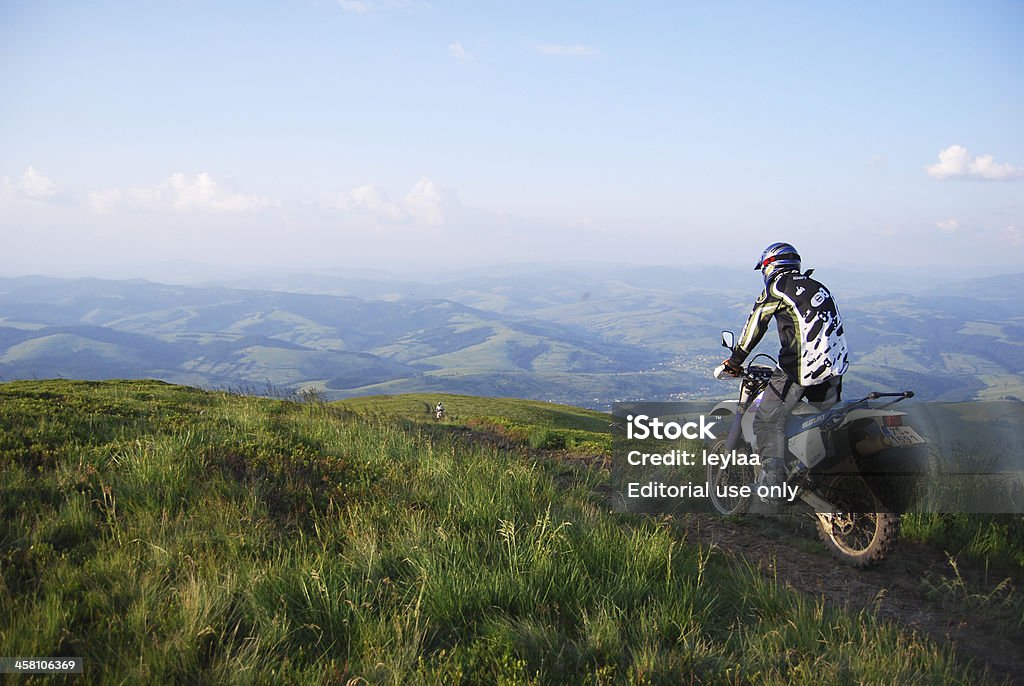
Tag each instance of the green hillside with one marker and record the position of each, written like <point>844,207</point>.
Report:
<point>167,534</point>
<point>417,406</point>
<point>523,422</point>
<point>561,335</point>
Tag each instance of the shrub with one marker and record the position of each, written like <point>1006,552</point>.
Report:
<point>548,439</point>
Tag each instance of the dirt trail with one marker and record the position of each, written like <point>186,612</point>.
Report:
<point>896,591</point>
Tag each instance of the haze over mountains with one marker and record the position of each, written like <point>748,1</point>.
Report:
<point>585,334</point>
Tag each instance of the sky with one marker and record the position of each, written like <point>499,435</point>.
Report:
<point>400,134</point>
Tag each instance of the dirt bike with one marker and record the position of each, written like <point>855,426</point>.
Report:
<point>438,414</point>
<point>832,461</point>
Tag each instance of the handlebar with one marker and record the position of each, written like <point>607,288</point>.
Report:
<point>721,372</point>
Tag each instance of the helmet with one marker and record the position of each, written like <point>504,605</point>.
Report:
<point>778,258</point>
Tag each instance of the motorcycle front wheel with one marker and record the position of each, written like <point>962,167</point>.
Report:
<point>722,481</point>
<point>855,535</point>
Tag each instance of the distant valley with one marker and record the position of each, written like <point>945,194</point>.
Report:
<point>582,336</point>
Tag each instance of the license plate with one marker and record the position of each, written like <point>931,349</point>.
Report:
<point>898,436</point>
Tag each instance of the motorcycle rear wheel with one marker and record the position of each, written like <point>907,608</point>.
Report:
<point>860,539</point>
<point>730,476</point>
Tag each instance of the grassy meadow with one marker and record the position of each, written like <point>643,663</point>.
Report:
<point>167,534</point>
<point>539,424</point>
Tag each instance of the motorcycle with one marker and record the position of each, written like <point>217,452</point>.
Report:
<point>835,462</point>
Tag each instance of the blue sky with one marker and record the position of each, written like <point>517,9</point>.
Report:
<point>391,133</point>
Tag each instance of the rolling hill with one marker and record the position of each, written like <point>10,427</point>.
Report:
<point>167,534</point>
<point>564,334</point>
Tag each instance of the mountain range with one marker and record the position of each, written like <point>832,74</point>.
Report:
<point>579,334</point>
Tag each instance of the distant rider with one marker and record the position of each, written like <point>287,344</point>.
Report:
<point>813,357</point>
<point>439,410</point>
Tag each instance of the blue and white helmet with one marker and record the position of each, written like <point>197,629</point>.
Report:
<point>777,258</point>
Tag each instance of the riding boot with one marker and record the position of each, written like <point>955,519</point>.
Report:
<point>773,472</point>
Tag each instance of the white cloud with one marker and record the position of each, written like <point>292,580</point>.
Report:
<point>426,204</point>
<point>36,186</point>
<point>1013,235</point>
<point>566,50</point>
<point>203,194</point>
<point>181,193</point>
<point>955,162</point>
<point>32,185</point>
<point>948,225</point>
<point>369,6</point>
<point>877,161</point>
<point>374,201</point>
<point>355,6</point>
<point>457,51</point>
<point>430,204</point>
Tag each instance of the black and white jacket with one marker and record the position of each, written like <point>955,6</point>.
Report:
<point>810,329</point>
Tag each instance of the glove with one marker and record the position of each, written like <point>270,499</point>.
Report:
<point>732,369</point>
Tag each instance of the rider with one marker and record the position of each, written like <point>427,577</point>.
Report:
<point>813,357</point>
<point>439,410</point>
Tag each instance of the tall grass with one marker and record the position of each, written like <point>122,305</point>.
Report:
<point>169,535</point>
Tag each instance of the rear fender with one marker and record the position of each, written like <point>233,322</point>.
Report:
<point>726,408</point>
